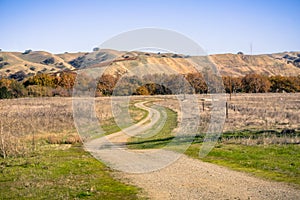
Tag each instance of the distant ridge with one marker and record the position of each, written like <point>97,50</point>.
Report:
<point>28,63</point>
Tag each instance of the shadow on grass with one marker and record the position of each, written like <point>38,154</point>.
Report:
<point>198,139</point>
<point>162,142</point>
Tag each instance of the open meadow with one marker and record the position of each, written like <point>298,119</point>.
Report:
<point>41,150</point>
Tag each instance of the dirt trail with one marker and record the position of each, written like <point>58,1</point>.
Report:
<point>189,178</point>
<point>186,178</point>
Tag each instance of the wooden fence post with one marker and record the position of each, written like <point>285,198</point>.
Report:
<point>226,110</point>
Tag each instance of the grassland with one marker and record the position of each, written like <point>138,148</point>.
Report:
<point>271,153</point>
<point>56,165</point>
<point>279,162</point>
<point>46,159</point>
<point>60,172</point>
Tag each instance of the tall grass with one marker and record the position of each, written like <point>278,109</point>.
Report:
<point>28,123</point>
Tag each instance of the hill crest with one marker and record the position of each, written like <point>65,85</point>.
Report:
<point>17,65</point>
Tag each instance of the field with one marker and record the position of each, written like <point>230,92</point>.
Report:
<point>261,135</point>
<point>43,156</point>
<point>42,152</point>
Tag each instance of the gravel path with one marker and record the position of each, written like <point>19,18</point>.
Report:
<point>189,178</point>
<point>186,178</point>
<point>113,152</point>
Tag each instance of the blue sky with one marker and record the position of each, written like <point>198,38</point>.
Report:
<point>218,26</point>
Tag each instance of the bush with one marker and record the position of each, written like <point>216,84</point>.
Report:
<point>4,93</point>
<point>49,61</point>
<point>27,51</point>
<point>2,64</point>
<point>19,76</point>
<point>96,49</point>
<point>38,91</point>
<point>77,62</point>
<point>17,89</point>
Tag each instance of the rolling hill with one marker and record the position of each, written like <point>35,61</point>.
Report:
<point>20,65</point>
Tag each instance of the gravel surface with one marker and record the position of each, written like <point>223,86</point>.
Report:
<point>189,178</point>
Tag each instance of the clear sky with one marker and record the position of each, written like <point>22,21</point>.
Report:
<point>219,26</point>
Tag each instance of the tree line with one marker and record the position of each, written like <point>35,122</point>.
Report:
<point>49,85</point>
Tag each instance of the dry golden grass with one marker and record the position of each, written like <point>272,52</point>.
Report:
<point>227,64</point>
<point>264,111</point>
<point>269,140</point>
<point>28,122</point>
<point>24,62</point>
<point>50,120</point>
<point>239,65</point>
<point>268,111</point>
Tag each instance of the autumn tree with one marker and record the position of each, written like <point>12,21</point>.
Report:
<point>232,84</point>
<point>142,90</point>
<point>178,84</point>
<point>66,80</point>
<point>12,88</point>
<point>281,83</point>
<point>127,85</point>
<point>296,82</point>
<point>5,82</point>
<point>197,82</point>
<point>17,89</point>
<point>152,89</point>
<point>255,83</point>
<point>106,84</point>
<point>39,91</point>
<point>41,80</point>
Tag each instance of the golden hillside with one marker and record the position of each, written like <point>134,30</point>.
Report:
<point>16,64</point>
<point>285,64</point>
<point>30,63</point>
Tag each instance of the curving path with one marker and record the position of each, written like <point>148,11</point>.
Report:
<point>184,178</point>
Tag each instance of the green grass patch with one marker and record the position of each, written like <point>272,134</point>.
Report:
<point>275,162</point>
<point>160,139</point>
<point>137,114</point>
<point>54,173</point>
<point>110,126</point>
